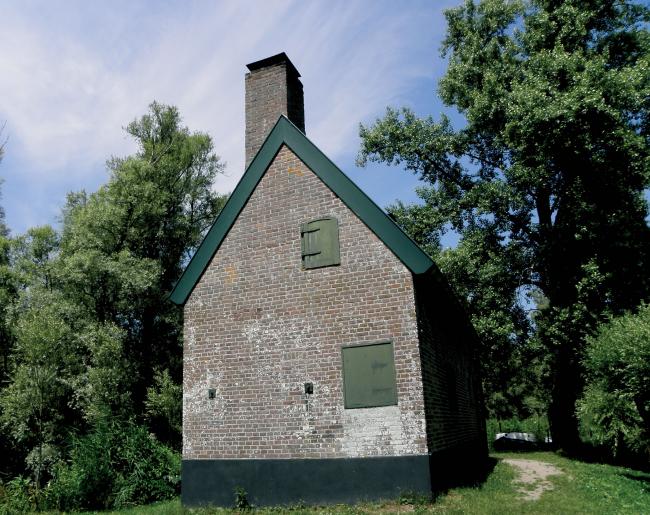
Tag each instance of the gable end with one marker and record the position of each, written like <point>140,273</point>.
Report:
<point>284,132</point>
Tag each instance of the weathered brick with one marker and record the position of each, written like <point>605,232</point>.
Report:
<point>271,90</point>
<point>259,353</point>
<point>258,326</point>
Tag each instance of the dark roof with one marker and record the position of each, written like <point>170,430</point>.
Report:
<point>274,59</point>
<point>284,132</point>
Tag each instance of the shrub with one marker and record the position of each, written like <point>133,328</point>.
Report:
<point>18,496</point>
<point>164,409</point>
<point>615,408</point>
<point>116,465</point>
<point>610,419</point>
<point>241,499</point>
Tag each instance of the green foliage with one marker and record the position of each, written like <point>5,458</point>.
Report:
<point>410,498</point>
<point>7,288</point>
<point>611,419</point>
<point>19,496</point>
<point>89,341</point>
<point>32,256</point>
<point>34,404</point>
<point>115,465</point>
<point>615,408</point>
<point>482,272</point>
<point>4,230</point>
<point>241,499</point>
<point>544,183</point>
<point>123,247</point>
<point>164,407</point>
<point>103,388</point>
<point>66,368</point>
<point>8,291</point>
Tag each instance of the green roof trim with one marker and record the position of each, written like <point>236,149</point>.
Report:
<point>284,132</point>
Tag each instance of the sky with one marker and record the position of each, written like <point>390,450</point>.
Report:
<point>73,74</point>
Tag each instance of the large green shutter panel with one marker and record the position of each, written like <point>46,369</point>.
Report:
<point>320,243</point>
<point>369,375</point>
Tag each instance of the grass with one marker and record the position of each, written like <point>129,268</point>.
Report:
<point>583,488</point>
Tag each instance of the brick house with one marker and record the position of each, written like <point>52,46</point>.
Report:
<point>325,357</point>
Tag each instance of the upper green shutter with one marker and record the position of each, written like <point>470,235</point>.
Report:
<point>320,243</point>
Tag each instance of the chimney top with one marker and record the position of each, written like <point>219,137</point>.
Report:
<point>280,58</point>
<point>273,88</point>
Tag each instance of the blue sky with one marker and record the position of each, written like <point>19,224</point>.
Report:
<point>74,73</point>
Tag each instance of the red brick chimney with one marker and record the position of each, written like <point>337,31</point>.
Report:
<point>273,88</point>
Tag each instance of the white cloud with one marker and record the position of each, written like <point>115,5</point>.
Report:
<point>59,100</point>
<point>68,87</point>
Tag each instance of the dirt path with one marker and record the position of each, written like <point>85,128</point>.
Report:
<point>532,476</point>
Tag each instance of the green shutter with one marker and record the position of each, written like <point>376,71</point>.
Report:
<point>369,375</point>
<point>320,243</point>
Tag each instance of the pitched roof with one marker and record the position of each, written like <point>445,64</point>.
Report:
<point>284,132</point>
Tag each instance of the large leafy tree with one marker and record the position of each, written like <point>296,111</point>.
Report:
<point>123,247</point>
<point>544,183</point>
<point>94,341</point>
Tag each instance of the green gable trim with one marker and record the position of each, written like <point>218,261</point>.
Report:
<point>284,132</point>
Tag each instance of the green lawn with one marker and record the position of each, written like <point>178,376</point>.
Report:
<point>583,488</point>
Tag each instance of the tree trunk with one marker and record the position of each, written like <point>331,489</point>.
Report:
<point>562,411</point>
<point>641,402</point>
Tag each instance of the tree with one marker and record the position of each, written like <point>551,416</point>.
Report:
<point>4,230</point>
<point>7,295</point>
<point>36,403</point>
<point>485,273</point>
<point>549,170</point>
<point>7,289</point>
<point>32,257</point>
<point>123,247</point>
<point>94,349</point>
<point>8,292</point>
<point>615,408</point>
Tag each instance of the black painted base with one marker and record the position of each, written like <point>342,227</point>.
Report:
<point>309,481</point>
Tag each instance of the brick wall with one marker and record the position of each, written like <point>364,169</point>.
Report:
<point>257,327</point>
<point>451,385</point>
<point>270,92</point>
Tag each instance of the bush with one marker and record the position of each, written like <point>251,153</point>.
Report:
<point>114,466</point>
<point>615,409</point>
<point>18,496</point>
<point>241,499</point>
<point>164,411</point>
<point>610,420</point>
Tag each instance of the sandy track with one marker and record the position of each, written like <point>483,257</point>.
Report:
<point>532,476</point>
